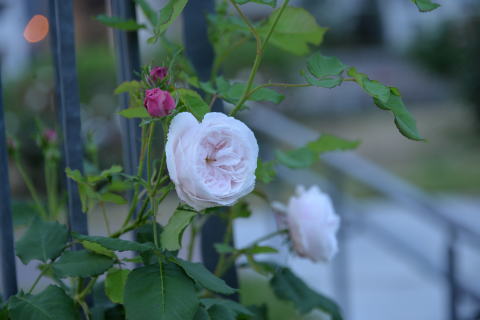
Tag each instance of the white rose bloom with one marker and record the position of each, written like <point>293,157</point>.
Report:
<point>212,163</point>
<point>312,224</point>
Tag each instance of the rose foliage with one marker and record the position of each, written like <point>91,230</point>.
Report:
<point>207,164</point>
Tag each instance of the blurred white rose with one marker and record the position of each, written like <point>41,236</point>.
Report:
<point>212,163</point>
<point>312,223</point>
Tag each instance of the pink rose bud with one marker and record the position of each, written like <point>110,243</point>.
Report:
<point>50,135</point>
<point>158,103</point>
<point>158,73</point>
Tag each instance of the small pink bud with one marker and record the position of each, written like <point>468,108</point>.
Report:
<point>158,73</point>
<point>158,103</point>
<point>50,135</point>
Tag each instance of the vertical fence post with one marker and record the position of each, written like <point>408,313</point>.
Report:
<point>65,68</point>
<point>7,253</point>
<point>340,263</point>
<point>128,62</point>
<point>200,52</point>
<point>451,256</point>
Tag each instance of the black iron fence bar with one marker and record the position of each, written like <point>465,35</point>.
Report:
<point>53,41</point>
<point>7,252</point>
<point>65,65</point>
<point>200,53</point>
<point>362,170</point>
<point>127,64</point>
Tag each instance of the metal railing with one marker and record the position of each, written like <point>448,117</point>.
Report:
<point>68,109</point>
<point>127,52</point>
<point>352,166</point>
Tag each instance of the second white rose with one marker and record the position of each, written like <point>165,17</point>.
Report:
<point>212,162</point>
<point>312,223</point>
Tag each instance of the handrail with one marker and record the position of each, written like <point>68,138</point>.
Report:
<point>379,179</point>
<point>377,231</point>
<point>363,170</point>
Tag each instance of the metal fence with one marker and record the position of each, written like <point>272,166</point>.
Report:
<point>68,109</point>
<point>128,61</point>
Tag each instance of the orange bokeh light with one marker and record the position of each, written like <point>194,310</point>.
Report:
<point>36,29</point>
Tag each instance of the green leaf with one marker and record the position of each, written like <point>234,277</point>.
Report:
<point>306,156</point>
<point>119,23</point>
<point>261,249</point>
<point>240,209</point>
<point>115,284</point>
<point>75,175</point>
<point>173,231</point>
<point>95,247</point>
<point>404,121</point>
<point>168,14</point>
<point>3,313</point>
<point>205,278</point>
<point>51,304</point>
<point>322,66</point>
<point>81,263</point>
<point>221,312</point>
<point>265,94</point>
<point>271,3</point>
<point>326,82</point>
<point>115,244</point>
<point>160,292</point>
<point>229,304</point>
<point>372,87</point>
<point>113,198</point>
<point>148,11</point>
<point>44,240</point>
<point>425,5</point>
<point>260,312</point>
<point>128,86</point>
<point>201,314</point>
<point>265,171</point>
<point>194,103</point>
<point>328,143</point>
<point>288,286</point>
<point>223,248</point>
<point>323,71</point>
<point>295,31</point>
<point>297,158</point>
<point>135,112</point>
<point>233,92</point>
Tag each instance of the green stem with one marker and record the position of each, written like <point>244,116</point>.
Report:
<point>259,53</point>
<point>268,236</point>
<point>154,222</point>
<point>230,261</point>
<point>38,278</point>
<point>85,309</point>
<point>137,187</point>
<point>149,152</point>
<point>105,217</point>
<point>191,243</point>
<point>31,188</point>
<point>226,240</point>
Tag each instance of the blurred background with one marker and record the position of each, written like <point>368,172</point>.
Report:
<point>404,204</point>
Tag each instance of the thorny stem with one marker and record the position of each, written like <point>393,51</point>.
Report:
<point>259,53</point>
